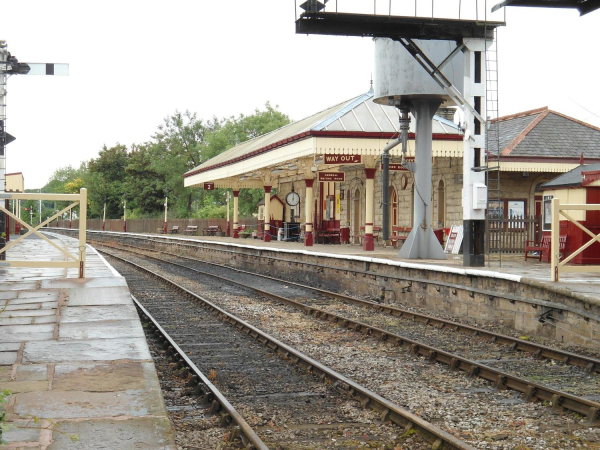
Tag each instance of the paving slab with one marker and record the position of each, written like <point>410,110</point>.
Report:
<point>103,377</point>
<point>73,350</point>
<point>95,313</point>
<point>20,333</point>
<point>85,404</point>
<point>101,330</point>
<point>132,434</point>
<point>52,351</point>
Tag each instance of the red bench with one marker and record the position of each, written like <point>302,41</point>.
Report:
<point>211,230</point>
<point>539,247</point>
<point>396,236</point>
<point>361,235</point>
<point>191,229</point>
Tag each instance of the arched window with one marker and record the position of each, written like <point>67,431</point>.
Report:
<point>441,206</point>
<point>393,208</point>
<point>356,220</point>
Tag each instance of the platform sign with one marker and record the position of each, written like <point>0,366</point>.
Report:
<point>395,167</point>
<point>331,176</point>
<point>455,239</point>
<point>209,186</point>
<point>342,159</point>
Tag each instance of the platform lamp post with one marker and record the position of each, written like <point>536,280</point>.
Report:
<point>124,214</point>
<point>104,215</point>
<point>166,209</point>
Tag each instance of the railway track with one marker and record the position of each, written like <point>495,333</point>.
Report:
<point>299,405</point>
<point>489,355</point>
<point>417,348</point>
<point>589,363</point>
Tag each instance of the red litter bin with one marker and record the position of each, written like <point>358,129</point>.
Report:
<point>345,235</point>
<point>439,234</point>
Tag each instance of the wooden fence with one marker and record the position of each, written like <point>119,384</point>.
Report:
<point>510,235</point>
<point>149,226</point>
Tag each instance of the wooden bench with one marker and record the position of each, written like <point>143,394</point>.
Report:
<point>211,230</point>
<point>361,235</point>
<point>539,247</point>
<point>174,229</point>
<point>191,229</point>
<point>397,237</point>
<point>329,236</point>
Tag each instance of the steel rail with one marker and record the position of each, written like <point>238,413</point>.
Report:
<point>388,410</point>
<point>208,390</point>
<point>591,365</point>
<point>560,400</point>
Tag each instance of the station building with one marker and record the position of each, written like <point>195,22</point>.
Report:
<point>330,164</point>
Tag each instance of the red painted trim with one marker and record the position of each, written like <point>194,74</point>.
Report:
<point>236,193</point>
<point>591,176</point>
<point>13,173</point>
<point>309,182</point>
<point>540,159</point>
<point>267,189</point>
<point>370,173</point>
<point>307,134</point>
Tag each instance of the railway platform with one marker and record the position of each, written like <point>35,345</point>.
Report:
<point>74,357</point>
<point>513,267</point>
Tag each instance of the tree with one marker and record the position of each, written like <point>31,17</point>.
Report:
<point>105,178</point>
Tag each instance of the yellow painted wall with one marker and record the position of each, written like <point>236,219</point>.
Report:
<point>576,196</point>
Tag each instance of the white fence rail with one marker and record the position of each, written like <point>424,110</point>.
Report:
<point>72,261</point>
<point>555,263</point>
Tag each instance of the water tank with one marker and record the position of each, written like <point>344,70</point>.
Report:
<point>399,77</point>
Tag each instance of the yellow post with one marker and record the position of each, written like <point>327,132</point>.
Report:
<point>82,230</point>
<point>554,241</point>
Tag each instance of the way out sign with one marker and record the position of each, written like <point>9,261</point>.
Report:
<point>209,186</point>
<point>342,159</point>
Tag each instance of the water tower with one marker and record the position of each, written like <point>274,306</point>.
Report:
<point>427,54</point>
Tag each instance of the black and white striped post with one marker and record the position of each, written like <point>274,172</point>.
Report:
<point>10,65</point>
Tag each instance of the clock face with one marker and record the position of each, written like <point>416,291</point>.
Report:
<point>292,199</point>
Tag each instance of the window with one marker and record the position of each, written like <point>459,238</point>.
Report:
<point>547,213</point>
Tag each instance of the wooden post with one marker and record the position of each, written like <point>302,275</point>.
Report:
<point>82,230</point>
<point>554,241</point>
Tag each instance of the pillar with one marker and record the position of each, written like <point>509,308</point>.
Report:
<point>308,230</point>
<point>368,241</point>
<point>236,233</point>
<point>421,243</point>
<point>473,151</point>
<point>267,227</point>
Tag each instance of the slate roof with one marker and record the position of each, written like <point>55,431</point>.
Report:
<point>571,178</point>
<point>543,133</point>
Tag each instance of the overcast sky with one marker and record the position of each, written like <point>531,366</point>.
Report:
<point>133,62</point>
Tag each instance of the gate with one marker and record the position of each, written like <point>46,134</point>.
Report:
<point>72,260</point>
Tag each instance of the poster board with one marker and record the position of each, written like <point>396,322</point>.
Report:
<point>455,238</point>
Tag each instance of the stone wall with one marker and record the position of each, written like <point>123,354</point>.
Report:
<point>449,171</point>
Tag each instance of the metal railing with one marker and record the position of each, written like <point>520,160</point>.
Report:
<point>439,9</point>
<point>557,266</point>
<point>72,261</point>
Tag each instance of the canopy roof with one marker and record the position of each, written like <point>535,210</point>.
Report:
<point>357,126</point>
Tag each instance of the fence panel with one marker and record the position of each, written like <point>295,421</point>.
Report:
<point>154,226</point>
<point>510,235</point>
